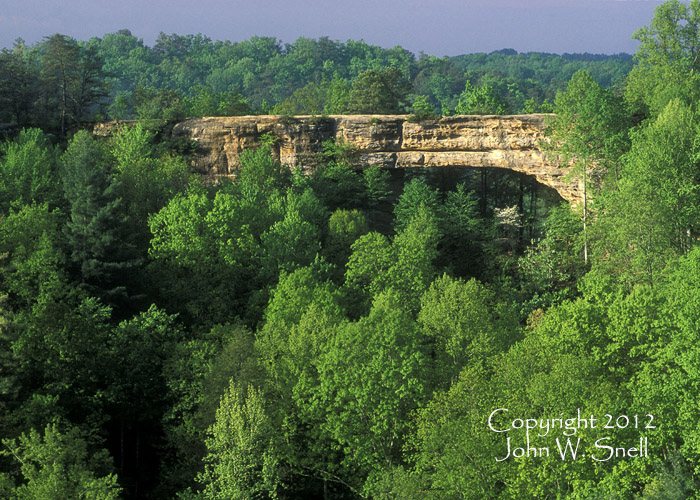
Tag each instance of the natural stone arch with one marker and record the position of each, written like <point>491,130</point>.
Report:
<point>391,141</point>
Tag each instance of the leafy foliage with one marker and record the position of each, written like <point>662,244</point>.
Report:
<point>59,465</point>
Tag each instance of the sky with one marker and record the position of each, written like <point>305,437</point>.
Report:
<point>435,27</point>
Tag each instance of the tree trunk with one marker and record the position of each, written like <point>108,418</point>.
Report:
<point>521,207</point>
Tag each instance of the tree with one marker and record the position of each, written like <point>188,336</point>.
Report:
<point>453,450</point>
<point>290,243</point>
<point>94,227</point>
<point>156,105</point>
<point>372,374</point>
<point>260,172</point>
<point>463,232</point>
<point>31,241</point>
<point>62,354</point>
<point>137,393</point>
<point>672,35</point>
<point>482,100</point>
<point>668,59</point>
<point>242,461</point>
<point>376,185</point>
<point>344,227</point>
<point>59,68</point>
<point>74,76</point>
<point>416,194</point>
<point>465,324</point>
<point>589,131</point>
<point>301,317</point>
<point>189,262</point>
<point>405,265</point>
<point>28,171</point>
<point>9,387</point>
<point>59,465</point>
<point>335,181</point>
<point>422,109</point>
<point>366,270</point>
<point>19,83</point>
<point>552,267</point>
<point>654,213</point>
<point>145,182</point>
<point>204,101</point>
<point>89,88</point>
<point>378,92</point>
<point>415,251</point>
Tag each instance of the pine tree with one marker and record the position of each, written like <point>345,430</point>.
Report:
<point>95,223</point>
<point>60,65</point>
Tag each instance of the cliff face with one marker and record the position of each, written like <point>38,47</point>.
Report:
<point>511,142</point>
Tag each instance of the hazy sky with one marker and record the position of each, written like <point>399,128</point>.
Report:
<point>436,27</point>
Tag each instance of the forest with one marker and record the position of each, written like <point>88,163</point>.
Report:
<point>344,334</point>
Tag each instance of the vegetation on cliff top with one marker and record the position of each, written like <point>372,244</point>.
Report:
<point>61,83</point>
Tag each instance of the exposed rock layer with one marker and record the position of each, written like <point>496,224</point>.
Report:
<point>391,141</point>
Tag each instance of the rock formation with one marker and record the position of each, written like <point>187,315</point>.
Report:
<point>390,141</point>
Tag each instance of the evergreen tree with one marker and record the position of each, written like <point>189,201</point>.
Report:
<point>19,83</point>
<point>94,225</point>
<point>74,76</point>
<point>59,68</point>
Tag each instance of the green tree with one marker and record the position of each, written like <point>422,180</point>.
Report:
<point>9,386</point>
<point>19,83</point>
<point>589,131</point>
<point>89,88</point>
<point>59,67</point>
<point>367,268</point>
<point>454,450</point>
<point>668,59</point>
<point>137,394</point>
<point>371,376</point>
<point>344,227</point>
<point>145,182</point>
<point>31,241</point>
<point>59,465</point>
<point>94,227</point>
<point>415,250</point>
<point>376,185</point>
<point>197,371</point>
<point>335,181</point>
<point>416,194</point>
<point>406,265</point>
<point>552,267</point>
<point>28,171</point>
<point>192,275</point>
<point>464,232</point>
<point>654,213</point>
<point>242,460</point>
<point>465,324</point>
<point>422,109</point>
<point>290,243</point>
<point>75,76</point>
<point>481,100</point>
<point>157,105</point>
<point>62,357</point>
<point>378,92</point>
